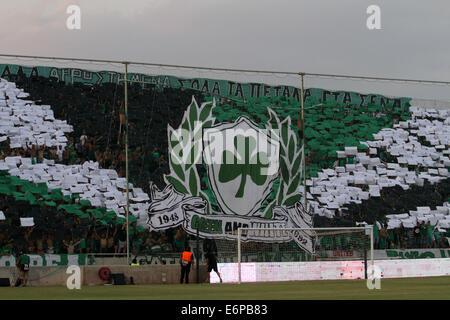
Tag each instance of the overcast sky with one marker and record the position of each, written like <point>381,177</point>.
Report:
<point>320,36</point>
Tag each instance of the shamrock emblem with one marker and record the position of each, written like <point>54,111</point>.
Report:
<point>245,161</point>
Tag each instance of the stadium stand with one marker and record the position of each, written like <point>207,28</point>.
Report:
<point>62,181</point>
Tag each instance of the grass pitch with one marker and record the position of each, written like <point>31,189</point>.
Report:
<point>434,288</point>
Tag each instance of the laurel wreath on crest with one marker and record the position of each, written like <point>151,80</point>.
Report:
<point>185,178</point>
<point>290,162</point>
<point>183,174</point>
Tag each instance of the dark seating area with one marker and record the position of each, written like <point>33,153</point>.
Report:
<point>96,113</point>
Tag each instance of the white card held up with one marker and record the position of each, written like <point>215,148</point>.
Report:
<point>27,222</point>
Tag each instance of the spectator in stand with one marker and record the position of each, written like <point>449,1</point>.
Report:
<point>397,237</point>
<point>103,238</point>
<point>135,243</point>
<point>437,237</point>
<point>112,239</point>
<point>410,234</point>
<point>92,244</point>
<point>41,154</point>
<point>179,239</point>
<point>82,246</point>
<point>83,139</point>
<point>70,246</point>
<point>390,238</point>
<point>50,248</point>
<point>403,237</point>
<point>60,153</point>
<point>121,240</point>
<point>6,245</point>
<point>383,237</point>
<point>41,244</point>
<point>376,238</point>
<point>423,234</point>
<point>444,240</point>
<point>429,235</point>
<point>158,238</point>
<point>417,236</point>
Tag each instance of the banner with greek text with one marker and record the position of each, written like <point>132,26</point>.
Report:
<point>214,87</point>
<point>190,212</point>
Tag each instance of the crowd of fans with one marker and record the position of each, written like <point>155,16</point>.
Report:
<point>97,114</point>
<point>423,235</point>
<point>396,200</point>
<point>101,139</point>
<point>56,232</point>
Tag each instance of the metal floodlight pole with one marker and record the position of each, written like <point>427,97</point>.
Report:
<point>197,255</point>
<point>126,159</point>
<point>365,255</point>
<point>303,140</point>
<point>239,255</point>
<point>371,248</point>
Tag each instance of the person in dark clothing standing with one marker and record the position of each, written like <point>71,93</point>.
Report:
<point>417,236</point>
<point>186,261</point>
<point>210,248</point>
<point>23,265</point>
<point>121,243</point>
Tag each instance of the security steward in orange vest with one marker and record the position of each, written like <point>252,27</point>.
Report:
<point>186,261</point>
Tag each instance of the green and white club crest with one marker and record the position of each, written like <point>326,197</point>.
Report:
<point>243,161</point>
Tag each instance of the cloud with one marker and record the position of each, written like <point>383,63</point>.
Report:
<point>324,36</point>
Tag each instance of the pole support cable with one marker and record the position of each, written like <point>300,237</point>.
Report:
<point>231,69</point>
<point>126,159</point>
